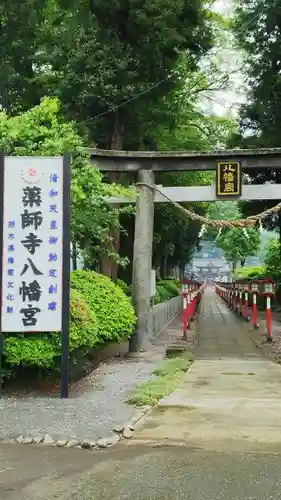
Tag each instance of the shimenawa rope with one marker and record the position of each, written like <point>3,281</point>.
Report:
<point>248,222</point>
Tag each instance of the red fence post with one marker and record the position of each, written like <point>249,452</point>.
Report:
<point>184,317</point>
<point>254,288</point>
<point>254,311</point>
<point>268,291</point>
<point>185,292</point>
<point>268,319</point>
<point>246,306</point>
<point>240,303</point>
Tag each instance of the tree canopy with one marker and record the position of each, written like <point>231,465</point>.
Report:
<point>41,131</point>
<point>237,244</point>
<point>98,55</point>
<point>257,28</point>
<point>119,75</point>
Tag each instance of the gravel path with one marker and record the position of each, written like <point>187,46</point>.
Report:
<point>271,350</point>
<point>96,404</point>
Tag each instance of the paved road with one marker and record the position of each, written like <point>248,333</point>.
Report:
<point>141,473</point>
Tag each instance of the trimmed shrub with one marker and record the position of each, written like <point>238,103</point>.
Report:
<point>257,272</point>
<point>43,350</point>
<point>113,309</point>
<point>123,286</point>
<point>175,280</point>
<point>83,322</point>
<point>171,286</point>
<point>157,298</point>
<point>37,350</point>
<point>163,293</point>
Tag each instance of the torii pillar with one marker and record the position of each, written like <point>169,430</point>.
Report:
<point>142,261</point>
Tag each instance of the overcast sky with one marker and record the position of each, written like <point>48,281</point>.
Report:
<point>227,102</point>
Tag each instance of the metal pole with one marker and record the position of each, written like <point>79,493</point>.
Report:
<point>64,389</point>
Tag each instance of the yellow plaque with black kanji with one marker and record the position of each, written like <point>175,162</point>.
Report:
<point>229,179</point>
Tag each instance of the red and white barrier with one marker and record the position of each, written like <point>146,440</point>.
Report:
<point>233,296</point>
<point>191,297</point>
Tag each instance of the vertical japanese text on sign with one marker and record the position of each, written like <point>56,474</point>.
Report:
<point>228,179</point>
<point>32,244</point>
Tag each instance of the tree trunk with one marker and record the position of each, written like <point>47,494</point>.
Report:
<point>74,256</point>
<point>108,266</point>
<point>162,267</point>
<point>279,227</point>
<point>278,181</point>
<point>126,247</point>
<point>243,262</point>
<point>182,270</point>
<point>5,103</point>
<point>169,269</point>
<point>165,260</point>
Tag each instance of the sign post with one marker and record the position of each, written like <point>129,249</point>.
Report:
<point>36,249</point>
<point>228,179</point>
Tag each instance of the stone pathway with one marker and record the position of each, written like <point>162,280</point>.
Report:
<point>96,404</point>
<point>230,398</point>
<point>222,334</point>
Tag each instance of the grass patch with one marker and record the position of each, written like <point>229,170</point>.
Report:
<point>167,377</point>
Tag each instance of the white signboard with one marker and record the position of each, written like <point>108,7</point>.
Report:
<point>32,244</point>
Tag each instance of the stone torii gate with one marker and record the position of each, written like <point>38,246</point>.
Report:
<point>146,163</point>
<point>208,270</point>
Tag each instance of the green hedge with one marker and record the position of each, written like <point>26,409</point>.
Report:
<point>170,286</point>
<point>123,286</point>
<point>165,289</point>
<point>113,309</point>
<point>157,298</point>
<point>257,272</point>
<point>100,312</point>
<point>163,293</point>
<point>43,350</point>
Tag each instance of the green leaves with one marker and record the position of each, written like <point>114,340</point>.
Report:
<point>272,258</point>
<point>97,55</point>
<point>257,28</point>
<point>237,244</point>
<point>113,309</point>
<point>44,350</point>
<point>43,131</point>
<point>99,312</point>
